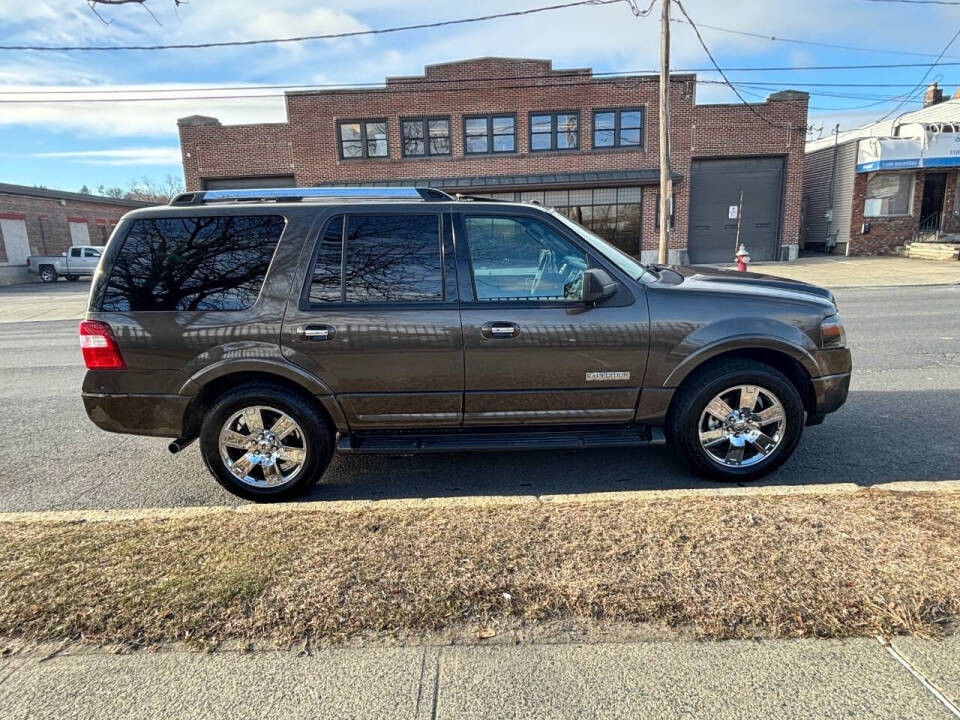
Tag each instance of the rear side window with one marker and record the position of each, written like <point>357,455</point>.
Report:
<point>195,263</point>
<point>378,258</point>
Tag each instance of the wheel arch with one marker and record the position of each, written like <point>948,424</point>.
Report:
<point>206,389</point>
<point>777,358</point>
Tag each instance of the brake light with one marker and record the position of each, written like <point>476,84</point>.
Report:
<point>99,347</point>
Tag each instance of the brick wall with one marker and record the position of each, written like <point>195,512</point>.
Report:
<point>888,233</point>
<point>46,219</point>
<point>306,145</point>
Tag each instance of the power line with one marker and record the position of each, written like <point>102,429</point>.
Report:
<point>923,77</point>
<point>918,2</point>
<point>460,88</point>
<point>720,70</point>
<point>359,85</point>
<point>774,38</point>
<point>327,36</point>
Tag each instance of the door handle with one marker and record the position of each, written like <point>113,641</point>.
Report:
<point>315,332</point>
<point>500,330</point>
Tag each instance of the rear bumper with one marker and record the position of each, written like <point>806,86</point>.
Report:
<point>158,415</point>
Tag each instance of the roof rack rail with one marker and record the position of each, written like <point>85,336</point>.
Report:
<point>298,194</point>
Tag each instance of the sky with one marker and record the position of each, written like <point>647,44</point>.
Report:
<point>112,142</point>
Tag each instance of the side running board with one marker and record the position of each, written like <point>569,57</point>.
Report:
<point>479,440</point>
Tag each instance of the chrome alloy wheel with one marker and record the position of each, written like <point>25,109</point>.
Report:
<point>262,446</point>
<point>742,425</point>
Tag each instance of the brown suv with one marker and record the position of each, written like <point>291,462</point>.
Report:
<point>278,326</point>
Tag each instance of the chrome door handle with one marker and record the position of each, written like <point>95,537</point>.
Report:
<point>315,332</point>
<point>500,330</point>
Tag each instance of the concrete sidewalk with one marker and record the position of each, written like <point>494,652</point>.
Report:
<point>732,679</point>
<point>836,271</point>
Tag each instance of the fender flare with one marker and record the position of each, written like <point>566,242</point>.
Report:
<point>306,380</point>
<point>741,342</point>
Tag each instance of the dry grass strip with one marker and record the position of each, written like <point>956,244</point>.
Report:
<point>789,566</point>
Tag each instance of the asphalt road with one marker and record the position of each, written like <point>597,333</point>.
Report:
<point>900,423</point>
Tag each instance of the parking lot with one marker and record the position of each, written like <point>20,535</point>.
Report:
<point>900,423</point>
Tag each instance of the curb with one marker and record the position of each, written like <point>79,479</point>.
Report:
<point>354,506</point>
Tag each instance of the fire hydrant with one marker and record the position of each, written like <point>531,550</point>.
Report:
<point>743,257</point>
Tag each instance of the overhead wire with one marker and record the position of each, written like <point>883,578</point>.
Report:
<point>326,36</point>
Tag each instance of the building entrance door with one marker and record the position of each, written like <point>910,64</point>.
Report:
<point>931,204</point>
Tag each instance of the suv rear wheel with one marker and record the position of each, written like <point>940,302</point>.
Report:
<point>736,420</point>
<point>48,274</point>
<point>265,442</point>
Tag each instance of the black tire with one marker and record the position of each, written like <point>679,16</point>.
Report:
<point>318,439</point>
<point>72,278</point>
<point>48,274</point>
<point>689,405</point>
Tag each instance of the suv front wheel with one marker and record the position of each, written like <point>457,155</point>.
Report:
<point>265,442</point>
<point>736,420</point>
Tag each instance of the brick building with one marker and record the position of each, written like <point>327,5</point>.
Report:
<point>516,128</point>
<point>878,188</point>
<point>37,221</point>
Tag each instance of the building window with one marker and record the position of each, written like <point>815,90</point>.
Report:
<point>363,139</point>
<point>555,131</point>
<point>490,133</point>
<point>425,136</point>
<point>888,194</point>
<point>622,128</point>
<point>615,214</point>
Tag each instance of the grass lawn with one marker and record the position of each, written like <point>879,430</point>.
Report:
<point>720,567</point>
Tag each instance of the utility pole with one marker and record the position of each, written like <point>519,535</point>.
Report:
<point>666,182</point>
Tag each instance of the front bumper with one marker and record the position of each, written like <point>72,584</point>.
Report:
<point>830,392</point>
<point>157,415</point>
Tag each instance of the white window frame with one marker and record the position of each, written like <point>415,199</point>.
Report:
<point>866,198</point>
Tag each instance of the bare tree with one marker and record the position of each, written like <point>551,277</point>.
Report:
<point>94,4</point>
<point>145,189</point>
<point>151,190</point>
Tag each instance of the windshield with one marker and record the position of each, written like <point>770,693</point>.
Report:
<point>630,265</point>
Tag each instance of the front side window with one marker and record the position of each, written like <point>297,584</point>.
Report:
<point>490,134</point>
<point>91,253</point>
<point>555,131</point>
<point>378,258</point>
<point>363,139</point>
<point>426,136</point>
<point>192,263</point>
<point>521,259</point>
<point>618,128</point>
<point>888,194</point>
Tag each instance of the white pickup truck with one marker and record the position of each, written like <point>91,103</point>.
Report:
<point>78,261</point>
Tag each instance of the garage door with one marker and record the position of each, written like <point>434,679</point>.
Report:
<point>715,187</point>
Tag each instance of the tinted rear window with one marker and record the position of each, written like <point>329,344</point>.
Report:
<point>196,263</point>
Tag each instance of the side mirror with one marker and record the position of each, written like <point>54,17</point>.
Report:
<point>598,285</point>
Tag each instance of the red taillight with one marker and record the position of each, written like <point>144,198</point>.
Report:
<point>100,351</point>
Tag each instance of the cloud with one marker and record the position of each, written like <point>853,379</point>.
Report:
<point>117,156</point>
<point>105,114</point>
